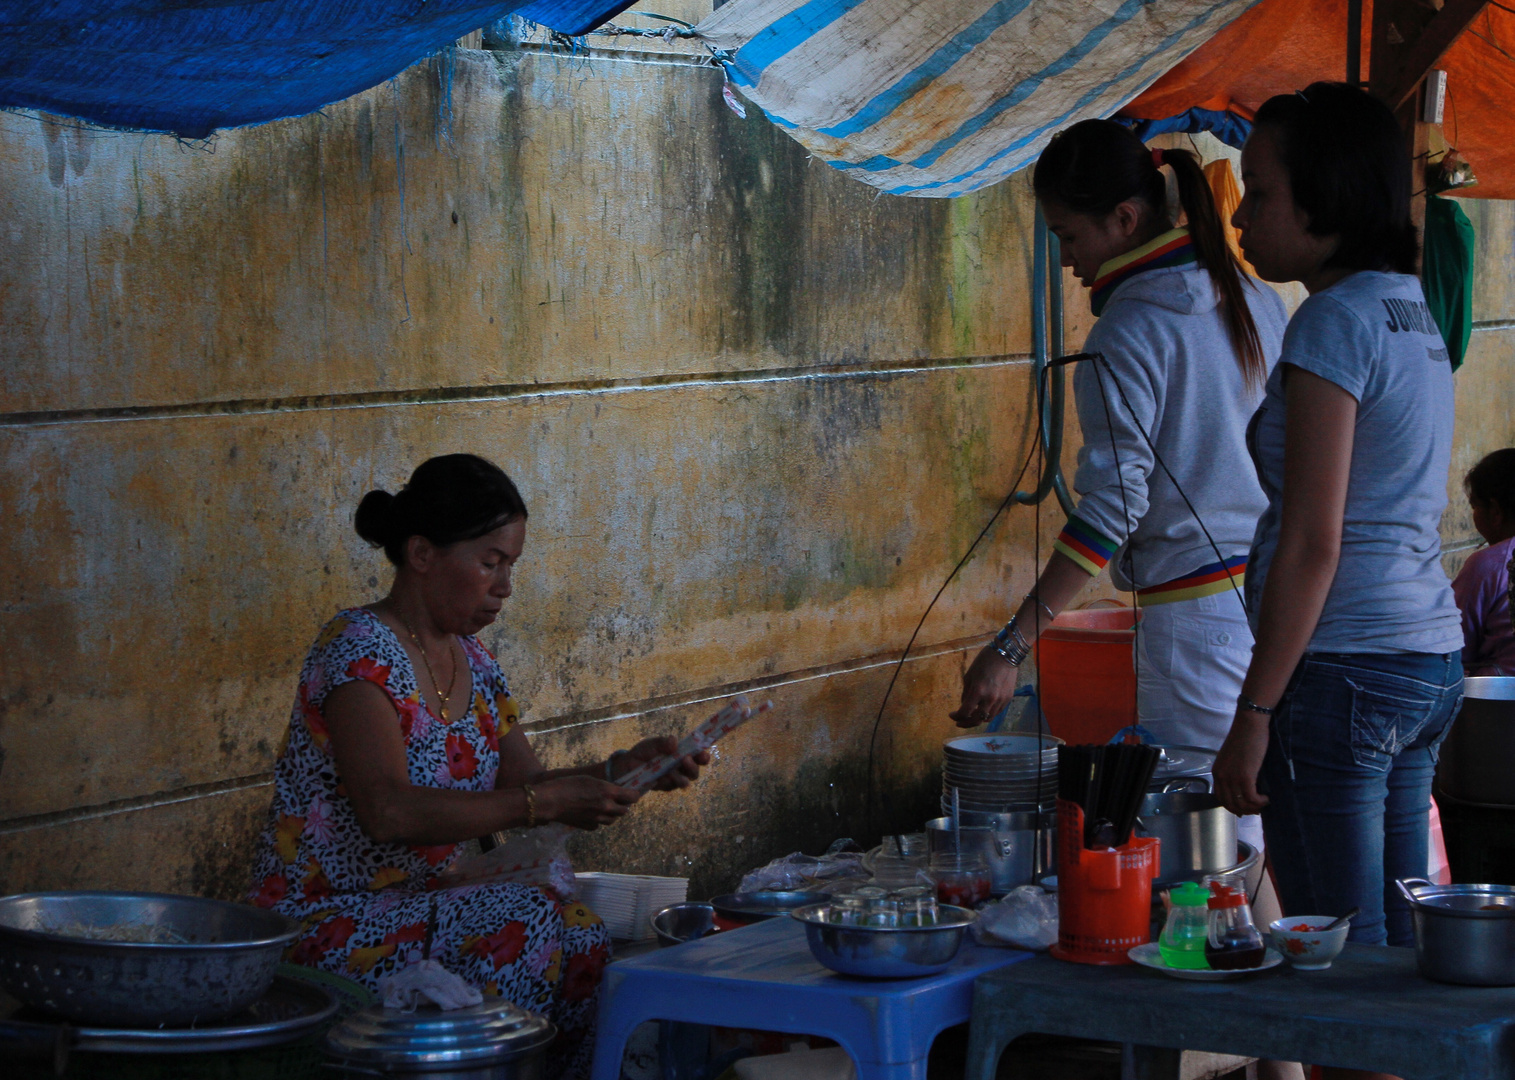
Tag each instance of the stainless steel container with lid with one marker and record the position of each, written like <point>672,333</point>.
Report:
<point>1017,847</point>
<point>1198,834</point>
<point>493,1040</point>
<point>1477,762</point>
<point>1464,934</point>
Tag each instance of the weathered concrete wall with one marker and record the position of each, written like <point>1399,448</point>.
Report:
<point>757,412</point>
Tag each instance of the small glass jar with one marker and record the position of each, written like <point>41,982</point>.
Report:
<point>962,878</point>
<point>917,905</point>
<point>883,912</point>
<point>846,911</point>
<point>1182,942</point>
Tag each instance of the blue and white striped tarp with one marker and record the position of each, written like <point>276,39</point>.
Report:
<point>942,97</point>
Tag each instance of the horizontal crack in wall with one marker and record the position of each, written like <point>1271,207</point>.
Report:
<point>375,399</point>
<point>624,711</point>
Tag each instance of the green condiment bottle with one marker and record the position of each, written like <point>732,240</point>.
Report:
<point>1182,942</point>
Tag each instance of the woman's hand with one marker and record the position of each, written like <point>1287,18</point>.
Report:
<point>987,689</point>
<point>1239,761</point>
<point>583,801</point>
<point>686,773</point>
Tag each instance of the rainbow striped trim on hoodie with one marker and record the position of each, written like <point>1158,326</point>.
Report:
<point>1172,248</point>
<point>1218,577</point>
<point>1085,545</point>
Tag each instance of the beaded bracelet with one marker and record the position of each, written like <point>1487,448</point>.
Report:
<point>1246,704</point>
<point>531,806</point>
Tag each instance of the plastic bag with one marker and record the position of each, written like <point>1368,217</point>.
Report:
<point>533,857</point>
<point>838,868</point>
<point>426,979</point>
<point>1026,918</point>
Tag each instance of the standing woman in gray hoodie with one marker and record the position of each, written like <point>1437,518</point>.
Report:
<point>1186,340</point>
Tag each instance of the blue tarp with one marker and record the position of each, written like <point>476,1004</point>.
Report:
<point>191,66</point>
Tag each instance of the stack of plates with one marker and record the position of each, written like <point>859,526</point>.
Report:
<point>1000,774</point>
<point>627,902</point>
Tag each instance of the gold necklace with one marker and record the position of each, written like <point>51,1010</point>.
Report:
<point>443,698</point>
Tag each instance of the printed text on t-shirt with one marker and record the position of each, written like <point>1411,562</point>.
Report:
<point>1408,315</point>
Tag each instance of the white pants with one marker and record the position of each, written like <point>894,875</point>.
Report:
<point>1191,657</point>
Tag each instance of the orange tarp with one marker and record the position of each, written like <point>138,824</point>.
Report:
<point>1284,45</point>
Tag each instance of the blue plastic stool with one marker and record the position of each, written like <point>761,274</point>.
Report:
<point>763,977</point>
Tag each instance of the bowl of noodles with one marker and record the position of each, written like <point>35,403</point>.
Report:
<point>124,959</point>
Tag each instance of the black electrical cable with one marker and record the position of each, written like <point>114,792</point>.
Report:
<point>1125,512</point>
<point>1003,506</point>
<point>1231,578</point>
<point>1037,453</point>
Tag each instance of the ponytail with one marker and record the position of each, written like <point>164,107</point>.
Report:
<point>1215,255</point>
<point>1095,165</point>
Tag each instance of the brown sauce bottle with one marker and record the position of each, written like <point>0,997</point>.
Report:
<point>1233,943</point>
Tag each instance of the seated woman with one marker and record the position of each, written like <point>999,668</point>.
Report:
<point>404,743</point>
<point>1482,587</point>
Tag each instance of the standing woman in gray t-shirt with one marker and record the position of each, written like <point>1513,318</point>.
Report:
<point>1356,673</point>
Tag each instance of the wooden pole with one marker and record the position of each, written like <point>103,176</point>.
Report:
<point>1408,38</point>
<point>1354,42</point>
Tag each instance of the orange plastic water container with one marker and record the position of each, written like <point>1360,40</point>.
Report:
<point>1086,681</point>
<point>1104,898</point>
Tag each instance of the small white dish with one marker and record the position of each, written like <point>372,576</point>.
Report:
<point>1310,949</point>
<point>1148,956</point>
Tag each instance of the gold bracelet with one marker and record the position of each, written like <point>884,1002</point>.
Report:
<point>531,806</point>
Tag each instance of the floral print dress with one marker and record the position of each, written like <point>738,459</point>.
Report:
<point>366,905</point>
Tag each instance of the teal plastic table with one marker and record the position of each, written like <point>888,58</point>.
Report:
<point>1369,1010</point>
<point>763,977</point>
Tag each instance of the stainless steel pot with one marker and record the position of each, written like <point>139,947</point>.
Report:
<point>1478,757</point>
<point>1016,849</point>
<point>1463,933</point>
<point>494,1040</point>
<point>1198,834</point>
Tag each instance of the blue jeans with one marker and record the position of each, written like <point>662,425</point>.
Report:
<point>1351,755</point>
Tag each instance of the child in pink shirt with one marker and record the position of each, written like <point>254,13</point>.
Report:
<point>1482,587</point>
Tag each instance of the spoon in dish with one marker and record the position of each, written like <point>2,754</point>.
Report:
<point>1348,917</point>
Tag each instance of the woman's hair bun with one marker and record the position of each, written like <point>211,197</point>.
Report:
<point>375,519</point>
<point>447,499</point>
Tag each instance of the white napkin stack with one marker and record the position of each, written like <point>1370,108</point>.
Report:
<point>627,902</point>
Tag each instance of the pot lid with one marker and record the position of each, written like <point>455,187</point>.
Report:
<point>1463,901</point>
<point>492,1031</point>
<point>1176,762</point>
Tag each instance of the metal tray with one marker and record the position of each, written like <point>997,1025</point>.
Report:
<point>752,906</point>
<point>291,1008</point>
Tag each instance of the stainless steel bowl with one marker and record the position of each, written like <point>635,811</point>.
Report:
<point>880,952</point>
<point>683,922</point>
<point>1464,934</point>
<point>219,957</point>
